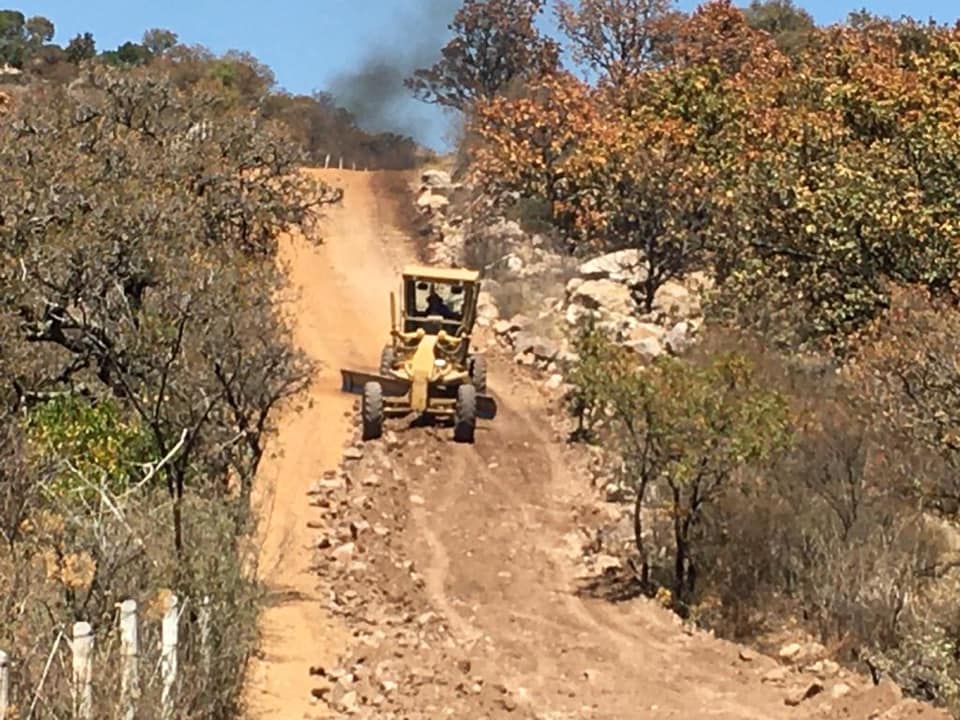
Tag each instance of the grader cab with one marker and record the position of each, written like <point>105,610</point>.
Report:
<point>428,368</point>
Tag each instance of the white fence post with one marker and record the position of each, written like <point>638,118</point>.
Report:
<point>341,162</point>
<point>205,635</point>
<point>4,684</point>
<point>168,656</point>
<point>83,670</point>
<point>130,652</point>
<point>326,161</point>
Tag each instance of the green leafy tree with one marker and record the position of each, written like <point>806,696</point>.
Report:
<point>103,295</point>
<point>683,432</point>
<point>158,41</point>
<point>39,31</point>
<point>20,37</point>
<point>12,41</point>
<point>496,47</point>
<point>128,54</point>
<point>80,48</point>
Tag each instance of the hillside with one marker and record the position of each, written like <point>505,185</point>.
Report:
<point>423,578</point>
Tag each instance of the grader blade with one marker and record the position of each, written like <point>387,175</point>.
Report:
<point>354,380</point>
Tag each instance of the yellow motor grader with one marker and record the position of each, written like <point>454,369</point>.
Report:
<point>428,368</point>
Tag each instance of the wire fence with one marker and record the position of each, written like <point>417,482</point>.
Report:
<point>116,673</point>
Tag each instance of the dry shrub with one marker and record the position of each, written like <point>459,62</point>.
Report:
<point>837,534</point>
<point>142,356</point>
<point>846,531</point>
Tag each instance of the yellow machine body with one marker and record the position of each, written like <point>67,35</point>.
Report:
<point>428,355</point>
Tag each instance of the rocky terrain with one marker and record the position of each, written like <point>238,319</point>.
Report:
<point>535,296</point>
<point>476,581</point>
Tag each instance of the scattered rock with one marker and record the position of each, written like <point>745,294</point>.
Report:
<point>647,348</point>
<point>804,693</point>
<point>524,342</point>
<point>348,703</point>
<point>554,382</point>
<point>776,675</point>
<point>678,340</point>
<point>674,300</point>
<point>432,201</point>
<point>388,686</point>
<point>545,349</point>
<point>644,331</point>
<point>353,454</point>
<point>840,690</point>
<point>824,668</point>
<point>345,552</point>
<point>437,180</point>
<point>747,655</point>
<point>790,651</point>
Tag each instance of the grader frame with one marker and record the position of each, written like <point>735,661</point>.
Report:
<point>427,367</point>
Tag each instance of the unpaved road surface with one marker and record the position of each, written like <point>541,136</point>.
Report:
<point>339,314</point>
<point>449,579</point>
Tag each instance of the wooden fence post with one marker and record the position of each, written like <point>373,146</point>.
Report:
<point>83,671</point>
<point>168,656</point>
<point>130,656</point>
<point>4,684</point>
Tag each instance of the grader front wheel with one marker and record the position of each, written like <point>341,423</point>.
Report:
<point>478,373</point>
<point>387,358</point>
<point>465,414</point>
<point>371,411</point>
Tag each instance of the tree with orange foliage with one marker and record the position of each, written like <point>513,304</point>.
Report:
<point>530,144</point>
<point>614,179</point>
<point>847,183</point>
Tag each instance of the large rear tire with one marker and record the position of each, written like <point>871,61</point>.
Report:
<point>465,414</point>
<point>371,411</point>
<point>387,358</point>
<point>478,373</point>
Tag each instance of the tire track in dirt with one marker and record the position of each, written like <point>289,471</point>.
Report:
<point>502,548</point>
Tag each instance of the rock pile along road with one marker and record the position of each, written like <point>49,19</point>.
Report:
<point>417,578</point>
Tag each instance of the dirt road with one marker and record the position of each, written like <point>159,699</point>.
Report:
<point>337,283</point>
<point>449,577</point>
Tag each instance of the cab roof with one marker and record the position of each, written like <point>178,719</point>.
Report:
<point>441,273</point>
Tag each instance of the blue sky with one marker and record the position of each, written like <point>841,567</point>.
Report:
<point>311,44</point>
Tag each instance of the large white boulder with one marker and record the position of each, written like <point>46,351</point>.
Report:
<point>674,300</point>
<point>624,266</point>
<point>604,295</point>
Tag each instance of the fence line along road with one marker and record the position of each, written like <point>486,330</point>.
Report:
<point>82,648</point>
